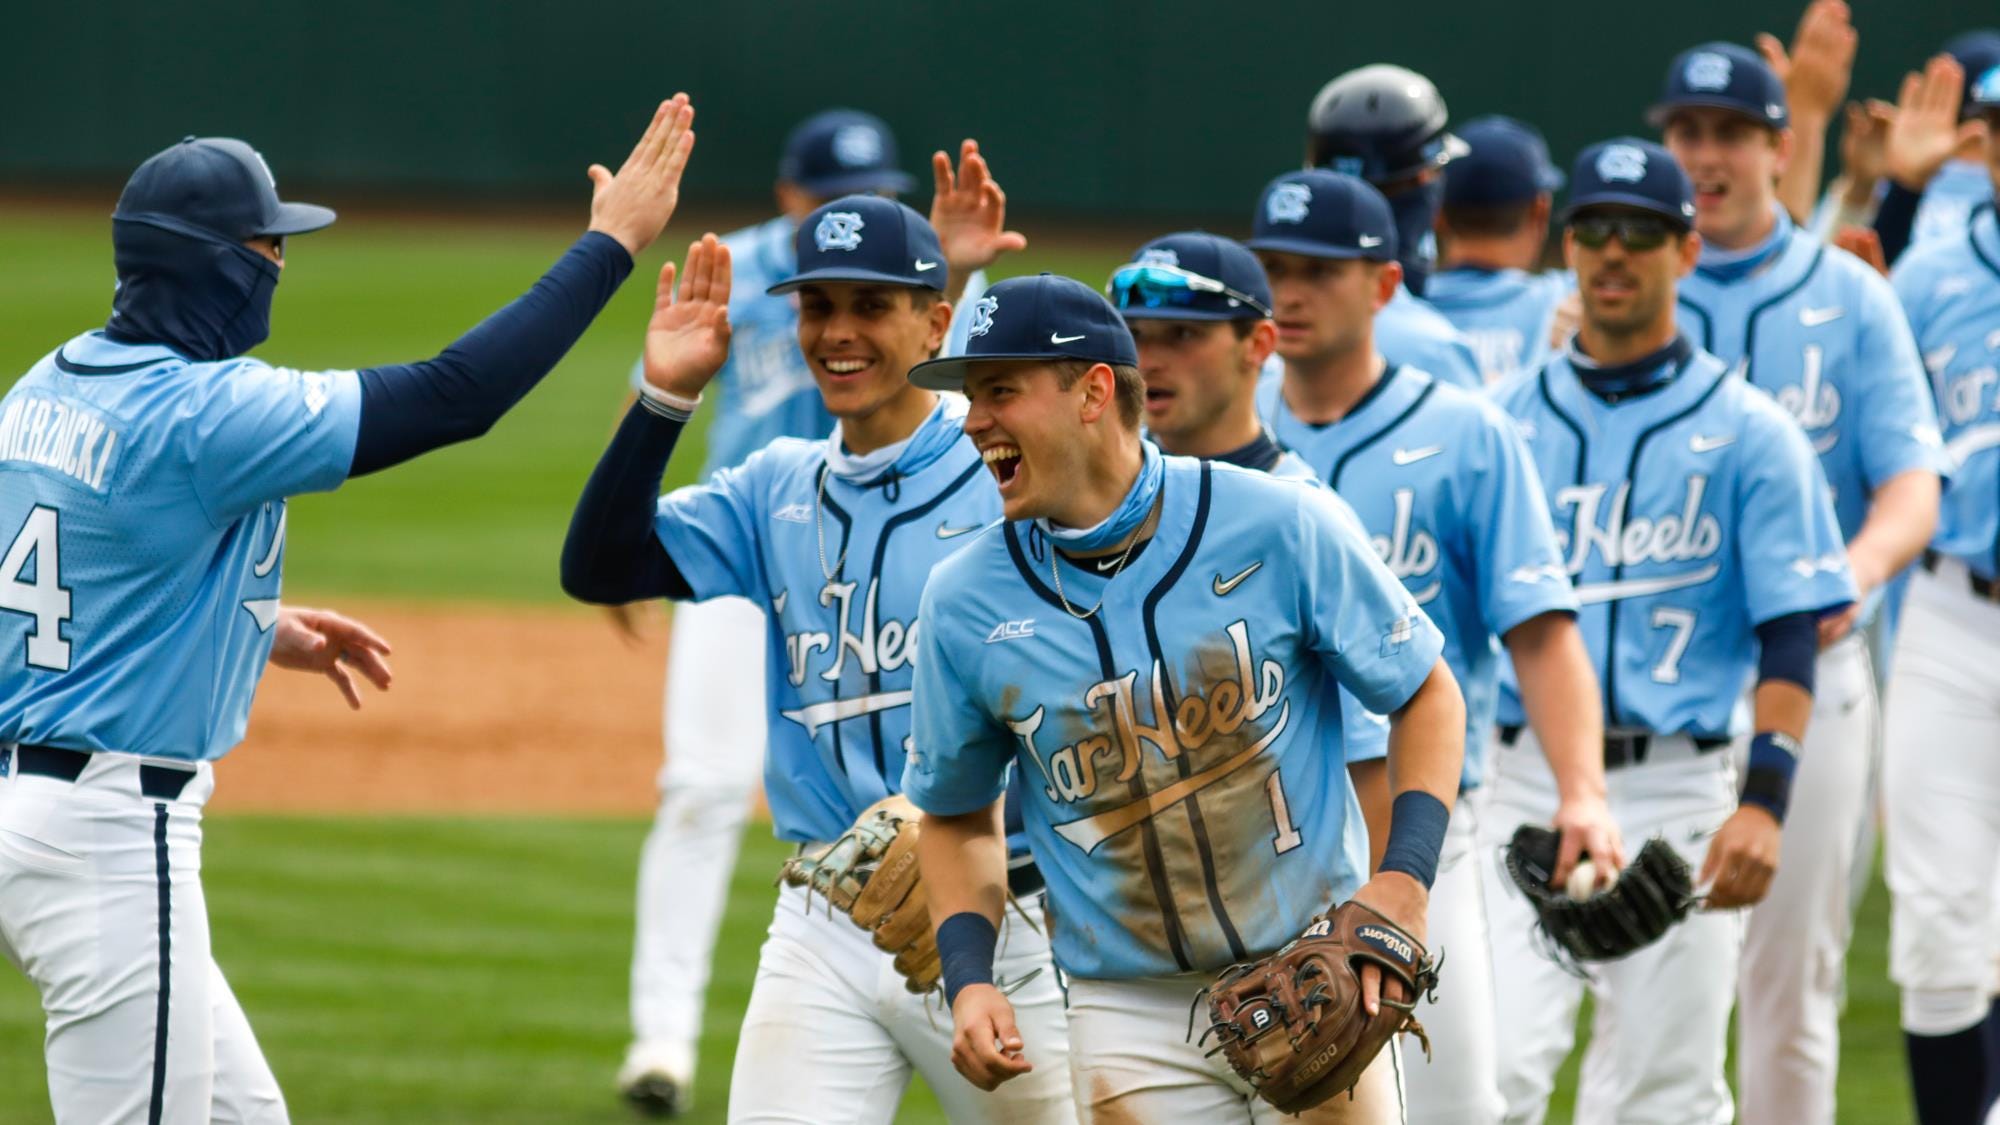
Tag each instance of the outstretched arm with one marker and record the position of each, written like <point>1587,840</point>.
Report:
<point>413,408</point>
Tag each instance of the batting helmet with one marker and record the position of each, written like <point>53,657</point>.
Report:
<point>1380,122</point>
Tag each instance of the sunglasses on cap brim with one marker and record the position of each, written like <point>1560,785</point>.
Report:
<point>1634,232</point>
<point>1153,286</point>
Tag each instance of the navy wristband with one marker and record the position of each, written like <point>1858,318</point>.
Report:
<point>1767,783</point>
<point>1416,836</point>
<point>965,944</point>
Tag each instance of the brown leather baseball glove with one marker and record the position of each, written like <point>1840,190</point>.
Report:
<point>870,875</point>
<point>1292,1024</point>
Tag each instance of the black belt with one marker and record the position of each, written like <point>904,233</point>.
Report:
<point>1025,880</point>
<point>1984,588</point>
<point>157,783</point>
<point>1624,749</point>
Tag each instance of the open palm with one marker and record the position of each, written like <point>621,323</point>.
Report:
<point>688,337</point>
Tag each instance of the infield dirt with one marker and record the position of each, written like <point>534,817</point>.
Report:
<point>493,710</point>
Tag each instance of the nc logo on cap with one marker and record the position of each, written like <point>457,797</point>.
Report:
<point>982,317</point>
<point>1707,71</point>
<point>1288,203</point>
<point>1624,163</point>
<point>1159,256</point>
<point>838,230</point>
<point>857,146</point>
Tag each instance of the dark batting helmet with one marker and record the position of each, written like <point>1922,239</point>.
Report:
<point>1380,122</point>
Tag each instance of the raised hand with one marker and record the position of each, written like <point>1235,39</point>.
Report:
<point>969,213</point>
<point>320,640</point>
<point>688,338</point>
<point>1863,147</point>
<point>1926,130</point>
<point>1817,69</point>
<point>634,205</point>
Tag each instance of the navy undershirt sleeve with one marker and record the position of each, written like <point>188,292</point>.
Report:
<point>1789,649</point>
<point>611,555</point>
<point>412,408</point>
<point>1894,220</point>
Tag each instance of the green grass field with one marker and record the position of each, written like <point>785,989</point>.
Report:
<point>440,971</point>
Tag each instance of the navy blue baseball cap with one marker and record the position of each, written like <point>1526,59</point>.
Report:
<point>840,151</point>
<point>1192,275</point>
<point>1977,52</point>
<point>866,238</point>
<point>1324,214</point>
<point>1984,94</point>
<point>217,187</point>
<point>1046,317</point>
<point>1722,76</point>
<point>1507,162</point>
<point>1629,172</point>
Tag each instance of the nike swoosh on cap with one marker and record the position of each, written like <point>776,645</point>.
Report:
<point>1056,338</point>
<point>923,266</point>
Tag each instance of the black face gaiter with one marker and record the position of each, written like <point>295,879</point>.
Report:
<point>205,297</point>
<point>1415,210</point>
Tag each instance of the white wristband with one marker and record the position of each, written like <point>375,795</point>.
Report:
<point>666,402</point>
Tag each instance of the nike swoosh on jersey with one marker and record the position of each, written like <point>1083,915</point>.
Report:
<point>270,560</point>
<point>778,603</point>
<point>946,531</point>
<point>1597,592</point>
<point>1090,831</point>
<point>1813,318</point>
<point>1222,586</point>
<point>1709,443</point>
<point>816,715</point>
<point>264,611</point>
<point>1412,456</point>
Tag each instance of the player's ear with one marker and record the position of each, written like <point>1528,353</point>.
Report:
<point>1388,276</point>
<point>1569,250</point>
<point>940,324</point>
<point>1260,343</point>
<point>1100,392</point>
<point>1782,140</point>
<point>1690,252</point>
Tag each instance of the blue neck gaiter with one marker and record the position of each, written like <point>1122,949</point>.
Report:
<point>1130,513</point>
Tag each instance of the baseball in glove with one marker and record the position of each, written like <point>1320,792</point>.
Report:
<point>1292,1024</point>
<point>1649,898</point>
<point>870,875</point>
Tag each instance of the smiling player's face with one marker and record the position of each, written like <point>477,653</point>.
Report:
<point>1734,163</point>
<point>1030,431</point>
<point>861,341</point>
<point>1324,306</point>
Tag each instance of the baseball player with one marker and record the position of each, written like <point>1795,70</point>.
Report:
<point>714,720</point>
<point>1943,835</point>
<point>1166,698</point>
<point>1498,198</point>
<point>1697,531</point>
<point>146,467</point>
<point>1820,331</point>
<point>1386,125</point>
<point>1443,483</point>
<point>835,539</point>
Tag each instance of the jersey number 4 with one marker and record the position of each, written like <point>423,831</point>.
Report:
<point>44,598</point>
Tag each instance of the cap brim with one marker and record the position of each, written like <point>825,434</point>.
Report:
<point>1634,202</point>
<point>848,183</point>
<point>1145,312</point>
<point>949,373</point>
<point>1316,249</point>
<point>299,218</point>
<point>1657,115</point>
<point>852,276</point>
<point>1453,147</point>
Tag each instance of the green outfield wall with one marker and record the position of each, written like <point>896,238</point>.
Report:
<point>1173,107</point>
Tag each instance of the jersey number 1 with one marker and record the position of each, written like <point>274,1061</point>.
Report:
<point>45,599</point>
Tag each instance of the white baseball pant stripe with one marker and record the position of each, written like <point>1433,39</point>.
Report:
<point>101,906</point>
<point>1794,962</point>
<point>1661,1026</point>
<point>1942,786</point>
<point>715,736</point>
<point>1459,1084</point>
<point>1132,1059</point>
<point>832,1036</point>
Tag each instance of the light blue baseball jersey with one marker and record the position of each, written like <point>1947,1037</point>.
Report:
<point>1506,315</point>
<point>1453,506</point>
<point>1959,188</point>
<point>1823,333</point>
<point>142,508</point>
<point>1409,332</point>
<point>839,653</point>
<point>1951,289</point>
<point>1184,785</point>
<point>1687,517</point>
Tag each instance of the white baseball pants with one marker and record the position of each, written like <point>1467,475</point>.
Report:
<point>832,1036</point>
<point>1459,1085</point>
<point>1661,1027</point>
<point>101,906</point>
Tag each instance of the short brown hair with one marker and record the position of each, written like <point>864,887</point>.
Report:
<point>1496,221</point>
<point>1131,389</point>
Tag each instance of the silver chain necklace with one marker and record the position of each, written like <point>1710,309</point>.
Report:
<point>1055,572</point>
<point>819,531</point>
